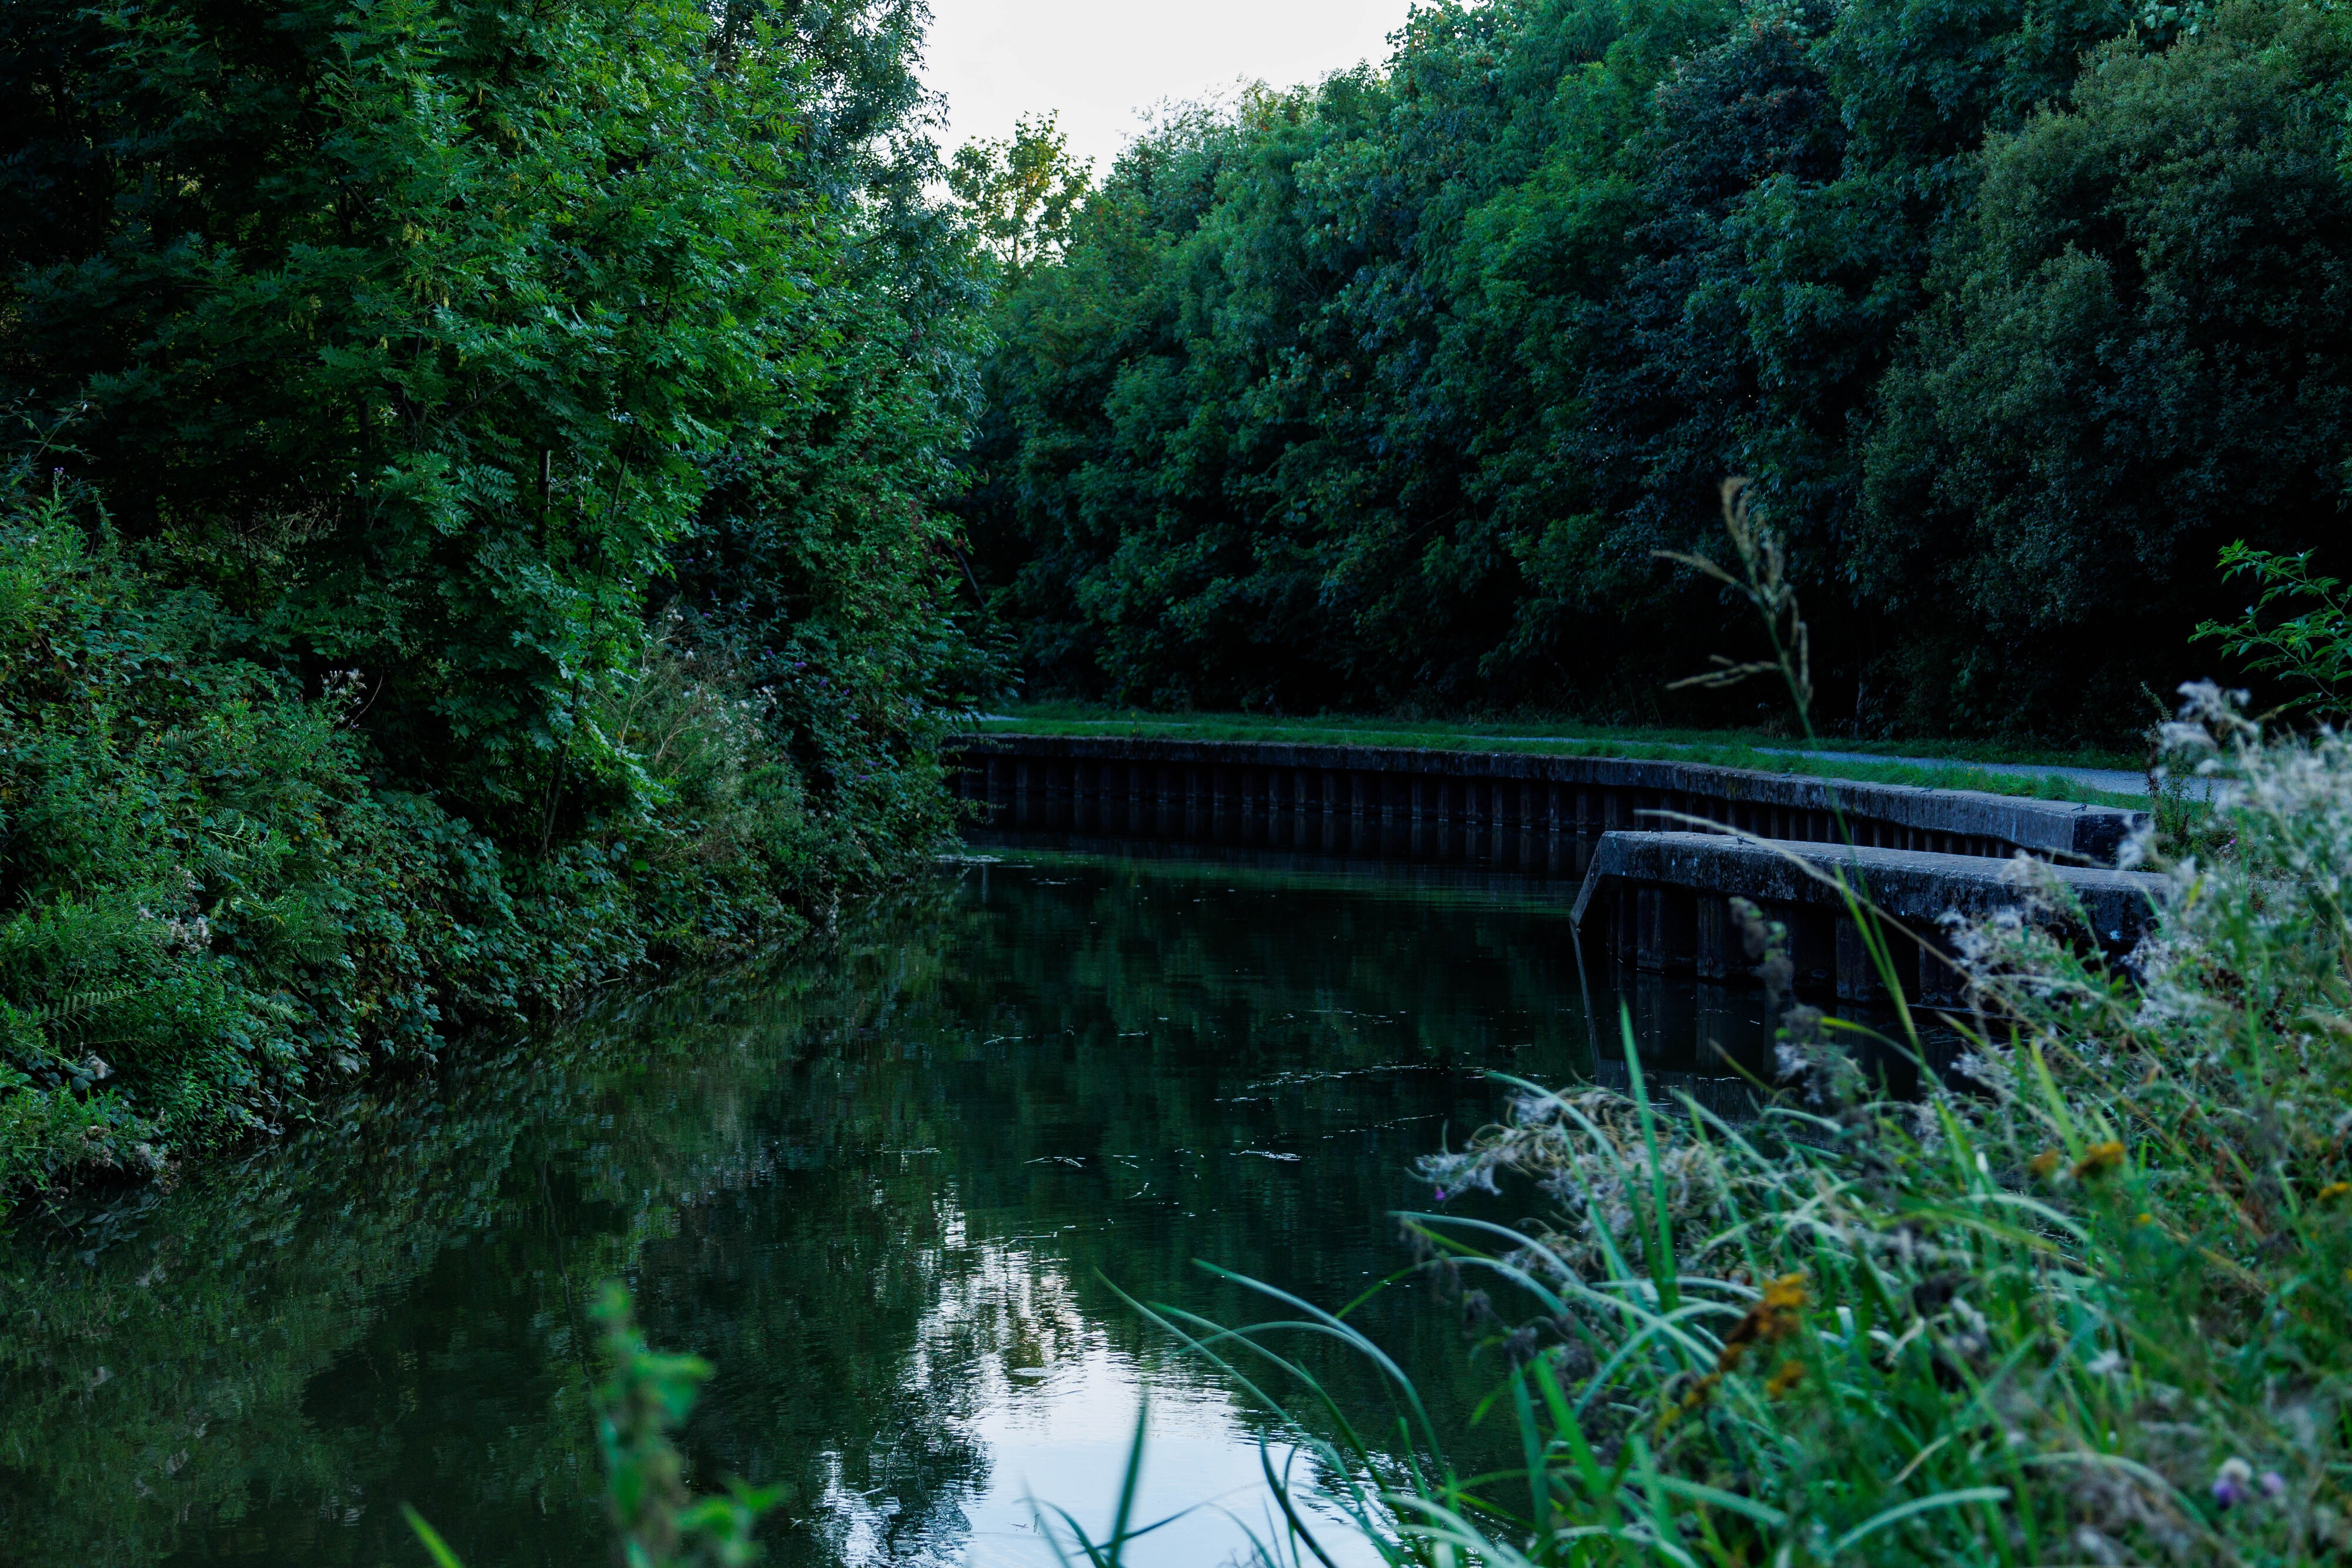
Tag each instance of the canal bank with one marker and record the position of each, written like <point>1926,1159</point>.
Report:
<point>886,1190</point>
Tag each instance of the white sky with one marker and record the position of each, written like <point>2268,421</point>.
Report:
<point>1100,64</point>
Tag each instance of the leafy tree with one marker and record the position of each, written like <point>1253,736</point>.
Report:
<point>409,325</point>
<point>2139,353</point>
<point>1390,389</point>
<point>1021,193</point>
<point>513,432</point>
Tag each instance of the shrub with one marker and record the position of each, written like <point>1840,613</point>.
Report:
<point>214,901</point>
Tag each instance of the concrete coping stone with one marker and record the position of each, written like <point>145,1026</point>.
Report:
<point>2052,827</point>
<point>1912,885</point>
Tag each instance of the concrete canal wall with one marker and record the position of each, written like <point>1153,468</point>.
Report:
<point>1661,902</point>
<point>1655,887</point>
<point>1368,800</point>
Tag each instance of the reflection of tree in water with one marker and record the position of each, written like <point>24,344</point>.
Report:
<point>1000,1312</point>
<point>1102,1073</point>
<point>816,1293</point>
<point>870,1189</point>
<point>261,1367</point>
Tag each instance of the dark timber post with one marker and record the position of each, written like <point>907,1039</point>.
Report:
<point>1716,940</point>
<point>1940,985</point>
<point>1857,981</point>
<point>1716,1027</point>
<point>1812,946</point>
<point>1667,933</point>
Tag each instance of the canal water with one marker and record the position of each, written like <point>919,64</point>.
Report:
<point>901,1195</point>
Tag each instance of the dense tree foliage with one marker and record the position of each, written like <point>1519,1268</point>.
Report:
<point>1386,391</point>
<point>473,525</point>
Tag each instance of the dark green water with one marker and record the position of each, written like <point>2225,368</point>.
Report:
<point>883,1191</point>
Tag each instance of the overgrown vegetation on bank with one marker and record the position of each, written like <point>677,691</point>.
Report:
<point>1382,394</point>
<point>2083,1305</point>
<point>466,532</point>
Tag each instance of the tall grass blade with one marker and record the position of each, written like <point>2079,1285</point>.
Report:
<point>1662,1254</point>
<point>433,1545</point>
<point>1912,1509</point>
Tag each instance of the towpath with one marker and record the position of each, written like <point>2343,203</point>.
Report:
<point>2111,781</point>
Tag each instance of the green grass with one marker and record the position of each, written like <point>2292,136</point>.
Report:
<point>1954,767</point>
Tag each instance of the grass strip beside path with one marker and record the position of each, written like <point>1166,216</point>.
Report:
<point>2086,775</point>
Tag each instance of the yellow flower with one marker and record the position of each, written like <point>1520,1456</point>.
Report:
<point>2335,1189</point>
<point>2101,1159</point>
<point>2042,1164</point>
<point>1791,1374</point>
<point>1700,1392</point>
<point>1773,1317</point>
